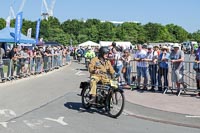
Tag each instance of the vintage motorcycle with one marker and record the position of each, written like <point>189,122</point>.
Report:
<point>109,96</point>
<point>87,62</point>
<point>79,57</point>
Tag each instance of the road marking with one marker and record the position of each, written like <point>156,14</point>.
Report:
<point>192,116</point>
<point>4,124</point>
<point>60,120</point>
<point>126,112</point>
<point>7,113</point>
<point>79,73</point>
<point>33,125</point>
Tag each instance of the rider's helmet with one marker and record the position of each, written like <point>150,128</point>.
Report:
<point>103,50</point>
<point>89,47</point>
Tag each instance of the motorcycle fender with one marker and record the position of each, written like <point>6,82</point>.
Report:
<point>84,84</point>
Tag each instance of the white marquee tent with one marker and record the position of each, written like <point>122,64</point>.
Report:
<point>89,43</point>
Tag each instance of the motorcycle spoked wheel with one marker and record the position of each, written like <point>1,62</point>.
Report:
<point>86,97</point>
<point>116,101</point>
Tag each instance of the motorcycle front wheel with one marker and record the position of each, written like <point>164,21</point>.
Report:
<point>116,103</point>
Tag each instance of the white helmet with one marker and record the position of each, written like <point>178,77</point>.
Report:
<point>89,47</point>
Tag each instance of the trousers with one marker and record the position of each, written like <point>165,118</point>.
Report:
<point>93,83</point>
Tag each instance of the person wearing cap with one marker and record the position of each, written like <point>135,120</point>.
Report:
<point>151,58</point>
<point>145,47</point>
<point>177,58</point>
<point>163,68</point>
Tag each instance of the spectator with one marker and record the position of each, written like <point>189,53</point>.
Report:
<point>38,61</point>
<point>163,68</point>
<point>26,62</point>
<point>141,66</point>
<point>2,53</point>
<point>156,48</point>
<point>197,60</point>
<point>126,63</point>
<point>118,63</point>
<point>152,57</point>
<point>177,58</point>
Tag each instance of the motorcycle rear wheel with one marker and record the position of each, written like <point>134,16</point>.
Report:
<point>86,97</point>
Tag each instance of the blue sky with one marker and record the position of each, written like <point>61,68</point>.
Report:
<point>185,13</point>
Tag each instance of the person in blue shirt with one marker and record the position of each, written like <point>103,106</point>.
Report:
<point>163,68</point>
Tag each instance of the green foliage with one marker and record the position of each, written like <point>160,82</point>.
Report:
<point>196,36</point>
<point>157,33</point>
<point>178,33</point>
<point>2,23</point>
<point>79,31</point>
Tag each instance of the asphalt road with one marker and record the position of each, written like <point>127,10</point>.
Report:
<point>49,104</point>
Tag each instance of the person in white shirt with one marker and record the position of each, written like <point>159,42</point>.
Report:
<point>141,66</point>
<point>152,57</point>
<point>118,63</point>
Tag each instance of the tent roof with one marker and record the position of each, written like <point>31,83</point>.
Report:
<point>88,43</point>
<point>7,35</point>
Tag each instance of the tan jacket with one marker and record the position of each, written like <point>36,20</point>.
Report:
<point>103,67</point>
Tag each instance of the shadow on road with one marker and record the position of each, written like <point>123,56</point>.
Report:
<point>78,107</point>
<point>81,69</point>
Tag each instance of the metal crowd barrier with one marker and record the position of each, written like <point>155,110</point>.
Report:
<point>24,67</point>
<point>189,78</point>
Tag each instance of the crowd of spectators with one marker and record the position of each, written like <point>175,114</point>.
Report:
<point>153,66</point>
<point>20,62</point>
<point>152,63</point>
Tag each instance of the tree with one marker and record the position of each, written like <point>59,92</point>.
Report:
<point>196,36</point>
<point>156,33</point>
<point>133,32</point>
<point>178,33</point>
<point>54,22</point>
<point>2,23</point>
<point>26,25</point>
<point>72,26</point>
<point>106,31</point>
<point>82,38</point>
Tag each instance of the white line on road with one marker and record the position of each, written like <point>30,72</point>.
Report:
<point>79,73</point>
<point>126,112</point>
<point>4,124</point>
<point>192,116</point>
<point>7,113</point>
<point>33,125</point>
<point>60,120</point>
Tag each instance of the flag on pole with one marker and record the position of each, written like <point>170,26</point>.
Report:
<point>37,30</point>
<point>18,26</point>
<point>8,21</point>
<point>29,32</point>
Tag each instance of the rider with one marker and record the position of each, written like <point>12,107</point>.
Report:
<point>90,53</point>
<point>80,51</point>
<point>99,67</point>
